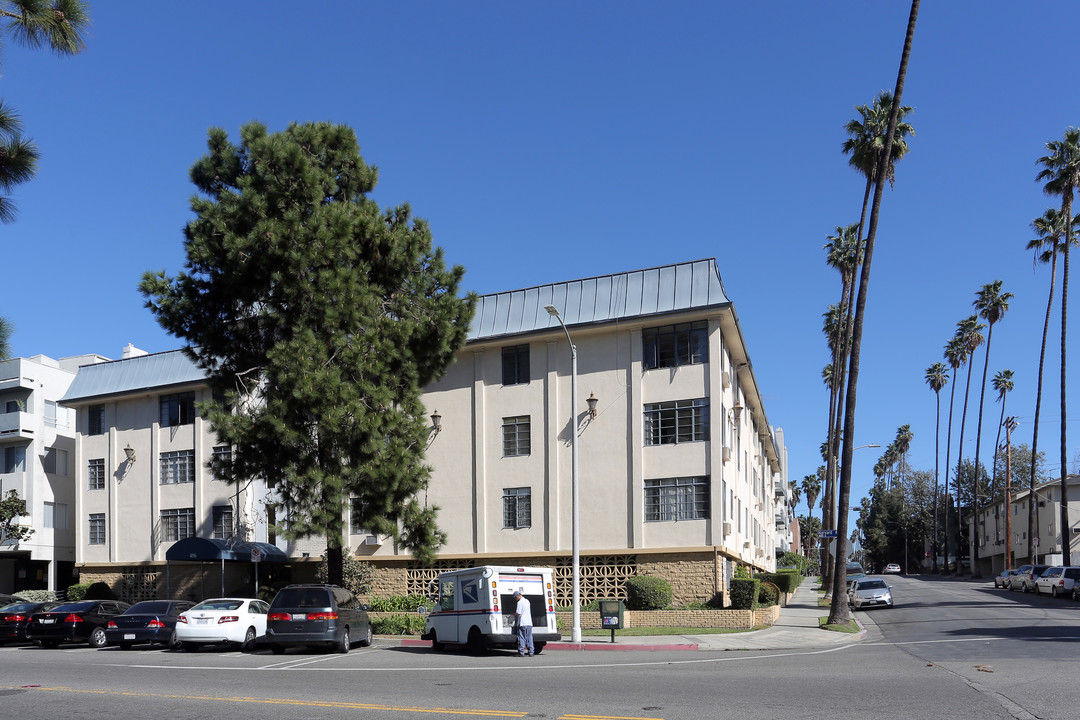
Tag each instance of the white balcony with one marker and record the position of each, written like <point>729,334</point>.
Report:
<point>17,427</point>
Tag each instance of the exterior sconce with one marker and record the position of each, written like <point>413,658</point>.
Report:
<point>436,422</point>
<point>592,400</point>
<point>736,412</point>
<point>130,453</point>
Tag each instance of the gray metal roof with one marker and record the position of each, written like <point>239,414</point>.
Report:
<point>664,289</point>
<point>118,377</point>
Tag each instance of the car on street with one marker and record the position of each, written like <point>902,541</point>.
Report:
<point>238,621</point>
<point>1001,580</point>
<point>1024,579</point>
<point>150,621</point>
<point>317,615</point>
<point>870,592</point>
<point>6,600</point>
<point>77,622</point>
<point>892,569</point>
<point>1057,580</point>
<point>15,617</point>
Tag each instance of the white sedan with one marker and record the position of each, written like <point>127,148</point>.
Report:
<point>240,621</point>
<point>892,568</point>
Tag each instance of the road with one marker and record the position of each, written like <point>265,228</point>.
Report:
<point>949,649</point>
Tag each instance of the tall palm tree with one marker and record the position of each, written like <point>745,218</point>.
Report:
<point>1003,385</point>
<point>5,339</point>
<point>838,610</point>
<point>936,378</point>
<point>992,305</point>
<point>811,487</point>
<point>1061,171</point>
<point>956,354</point>
<point>969,330</point>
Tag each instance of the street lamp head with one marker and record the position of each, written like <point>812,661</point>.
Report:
<point>552,310</point>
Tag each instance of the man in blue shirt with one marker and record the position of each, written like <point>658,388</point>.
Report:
<point>524,625</point>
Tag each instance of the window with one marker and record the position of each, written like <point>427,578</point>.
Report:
<point>271,524</point>
<point>517,507</point>
<point>55,461</point>
<point>515,365</point>
<point>676,422</point>
<point>177,524</point>
<point>97,528</point>
<point>96,474</point>
<point>677,499</point>
<point>177,409</point>
<point>12,406</point>
<point>223,522</point>
<point>177,467</point>
<point>356,517</point>
<point>222,454</point>
<point>95,423</point>
<point>675,345</point>
<point>516,436</point>
<point>50,413</point>
<point>14,460</point>
<point>56,516</point>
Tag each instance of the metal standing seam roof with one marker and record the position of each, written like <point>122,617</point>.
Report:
<point>145,372</point>
<point>653,291</point>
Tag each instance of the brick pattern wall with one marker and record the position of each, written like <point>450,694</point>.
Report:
<point>735,619</point>
<point>692,577</point>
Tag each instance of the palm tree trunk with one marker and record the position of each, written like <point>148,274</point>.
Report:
<point>993,475</point>
<point>976,572</point>
<point>1038,406</point>
<point>948,455</point>
<point>959,464</point>
<point>1066,540</point>
<point>937,456</point>
<point>838,611</point>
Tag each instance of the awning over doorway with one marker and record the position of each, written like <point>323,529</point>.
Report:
<point>196,549</point>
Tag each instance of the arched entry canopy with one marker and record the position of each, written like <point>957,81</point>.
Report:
<point>203,550</point>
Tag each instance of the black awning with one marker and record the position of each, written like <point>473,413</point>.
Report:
<point>196,549</point>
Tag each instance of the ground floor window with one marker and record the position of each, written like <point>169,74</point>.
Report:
<point>177,524</point>
<point>517,507</point>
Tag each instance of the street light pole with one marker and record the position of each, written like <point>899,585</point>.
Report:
<point>575,544</point>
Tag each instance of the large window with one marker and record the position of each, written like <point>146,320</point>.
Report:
<point>356,517</point>
<point>677,422</point>
<point>177,524</point>
<point>96,528</point>
<point>177,409</point>
<point>56,517</point>
<point>14,460</point>
<point>95,424</point>
<point>222,454</point>
<point>223,522</point>
<point>95,471</point>
<point>55,461</point>
<point>677,499</point>
<point>515,365</point>
<point>178,467</point>
<point>516,438</point>
<point>674,345</point>
<point>517,507</point>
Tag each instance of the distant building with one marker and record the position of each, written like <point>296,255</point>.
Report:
<point>991,529</point>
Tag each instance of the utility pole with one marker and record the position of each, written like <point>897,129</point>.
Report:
<point>1010,425</point>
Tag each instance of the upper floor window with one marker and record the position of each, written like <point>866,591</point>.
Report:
<point>516,436</point>
<point>14,460</point>
<point>677,499</point>
<point>177,409</point>
<point>56,517</point>
<point>95,474</point>
<point>178,467</point>
<point>357,511</point>
<point>221,454</point>
<point>96,528</point>
<point>55,461</point>
<point>517,507</point>
<point>515,365</point>
<point>675,345</point>
<point>223,522</point>
<point>95,424</point>
<point>177,524</point>
<point>677,421</point>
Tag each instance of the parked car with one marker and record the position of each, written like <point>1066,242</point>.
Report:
<point>239,621</point>
<point>871,592</point>
<point>76,622</point>
<point>1001,580</point>
<point>892,569</point>
<point>6,600</point>
<point>15,617</point>
<point>1057,580</point>
<point>1024,579</point>
<point>317,615</point>
<point>855,570</point>
<point>150,621</point>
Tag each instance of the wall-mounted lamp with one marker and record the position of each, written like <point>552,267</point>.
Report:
<point>592,400</point>
<point>736,412</point>
<point>436,422</point>
<point>130,453</point>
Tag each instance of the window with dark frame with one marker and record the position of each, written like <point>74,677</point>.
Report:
<point>515,365</point>
<point>14,460</point>
<point>221,454</point>
<point>223,522</point>
<point>356,517</point>
<point>671,499</point>
<point>95,471</point>
<point>177,467</point>
<point>177,409</point>
<point>516,436</point>
<point>675,345</point>
<point>95,424</point>
<point>517,507</point>
<point>677,421</point>
<point>96,529</point>
<point>177,524</point>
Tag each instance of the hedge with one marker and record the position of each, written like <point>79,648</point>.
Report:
<point>647,592</point>
<point>744,593</point>
<point>786,580</point>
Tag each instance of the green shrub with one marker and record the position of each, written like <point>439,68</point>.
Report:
<point>647,592</point>
<point>36,595</point>
<point>768,594</point>
<point>76,592</point>
<point>787,581</point>
<point>99,591</point>
<point>357,576</point>
<point>400,603</point>
<point>795,560</point>
<point>399,624</point>
<point>742,572</point>
<point>744,593</point>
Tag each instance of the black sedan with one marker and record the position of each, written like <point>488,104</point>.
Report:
<point>75,622</point>
<point>15,618</point>
<point>151,621</point>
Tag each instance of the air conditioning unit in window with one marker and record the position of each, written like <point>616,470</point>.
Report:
<point>725,379</point>
<point>746,544</point>
<point>726,454</point>
<point>372,540</point>
<point>759,552</point>
<point>727,529</point>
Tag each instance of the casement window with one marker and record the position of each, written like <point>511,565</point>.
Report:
<point>14,460</point>
<point>515,365</point>
<point>177,524</point>
<point>95,421</point>
<point>95,471</point>
<point>677,499</point>
<point>675,345</point>
<point>56,516</point>
<point>177,467</point>
<point>517,507</point>
<point>677,421</point>
<point>516,436</point>
<point>357,512</point>
<point>55,461</point>
<point>223,522</point>
<point>96,529</point>
<point>222,454</point>
<point>177,409</point>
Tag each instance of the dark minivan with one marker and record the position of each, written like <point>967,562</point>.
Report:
<point>325,615</point>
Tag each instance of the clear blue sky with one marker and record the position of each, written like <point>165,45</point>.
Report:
<point>559,140</point>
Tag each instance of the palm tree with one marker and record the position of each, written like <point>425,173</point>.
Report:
<point>992,304</point>
<point>956,354</point>
<point>1003,384</point>
<point>969,330</point>
<point>838,610</point>
<point>1061,171</point>
<point>811,487</point>
<point>5,339</point>
<point>936,378</point>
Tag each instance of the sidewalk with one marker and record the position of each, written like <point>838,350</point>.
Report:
<point>796,628</point>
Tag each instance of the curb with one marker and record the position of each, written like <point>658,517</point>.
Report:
<point>608,646</point>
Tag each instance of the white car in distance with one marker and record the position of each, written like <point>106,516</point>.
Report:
<point>238,621</point>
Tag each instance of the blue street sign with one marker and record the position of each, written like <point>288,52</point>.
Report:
<point>827,534</point>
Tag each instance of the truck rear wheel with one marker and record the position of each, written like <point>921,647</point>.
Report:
<point>538,647</point>
<point>477,642</point>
